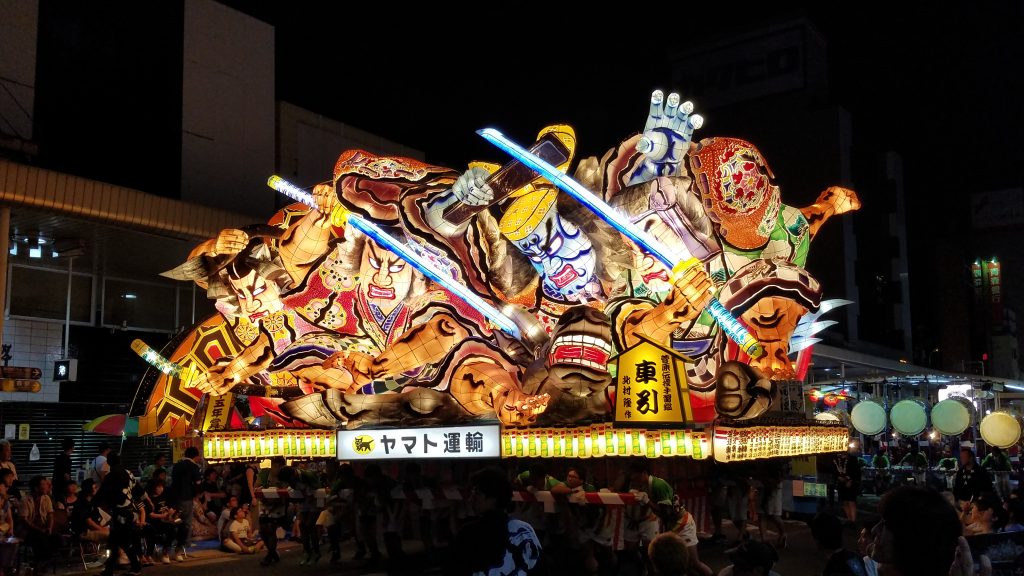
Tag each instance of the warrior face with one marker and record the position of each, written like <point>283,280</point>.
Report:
<point>384,278</point>
<point>564,257</point>
<point>257,297</point>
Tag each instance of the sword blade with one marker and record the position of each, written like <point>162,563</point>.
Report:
<point>158,361</point>
<point>675,260</point>
<point>406,253</point>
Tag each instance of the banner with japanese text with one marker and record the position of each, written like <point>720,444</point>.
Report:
<point>398,443</point>
<point>218,412</point>
<point>651,387</point>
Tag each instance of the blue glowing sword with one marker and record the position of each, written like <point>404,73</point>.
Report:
<point>678,262</point>
<point>386,241</point>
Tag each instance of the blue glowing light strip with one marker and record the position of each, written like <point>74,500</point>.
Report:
<point>670,258</point>
<point>418,262</point>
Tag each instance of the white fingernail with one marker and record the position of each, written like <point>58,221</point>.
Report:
<point>696,121</point>
<point>686,107</point>
<point>657,96</point>
<point>644,145</point>
<point>673,99</point>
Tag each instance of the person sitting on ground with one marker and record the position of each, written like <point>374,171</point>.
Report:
<point>203,527</point>
<point>239,533</point>
<point>668,555</point>
<point>827,531</point>
<point>226,516</point>
<point>751,558</point>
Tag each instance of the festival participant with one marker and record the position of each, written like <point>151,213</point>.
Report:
<point>918,462</point>
<point>685,526</point>
<point>999,466</point>
<point>971,479</point>
<point>848,475</point>
<point>655,496</point>
<point>883,470</point>
<point>493,544</point>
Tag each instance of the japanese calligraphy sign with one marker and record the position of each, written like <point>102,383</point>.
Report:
<point>399,443</point>
<point>218,410</point>
<point>651,387</point>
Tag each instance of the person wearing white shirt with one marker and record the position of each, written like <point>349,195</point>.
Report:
<point>100,468</point>
<point>239,536</point>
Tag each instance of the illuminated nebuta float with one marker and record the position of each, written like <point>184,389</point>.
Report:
<point>405,294</point>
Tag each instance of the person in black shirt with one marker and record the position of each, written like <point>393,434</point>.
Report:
<point>971,479</point>
<point>493,544</point>
<point>212,494</point>
<point>86,520</point>
<point>62,467</point>
<point>848,474</point>
<point>119,498</point>
<point>160,521</point>
<point>185,479</point>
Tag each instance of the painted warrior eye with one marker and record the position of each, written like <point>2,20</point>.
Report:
<point>374,263</point>
<point>395,268</point>
<point>259,291</point>
<point>555,245</point>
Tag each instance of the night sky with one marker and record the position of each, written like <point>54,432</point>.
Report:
<point>943,86</point>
